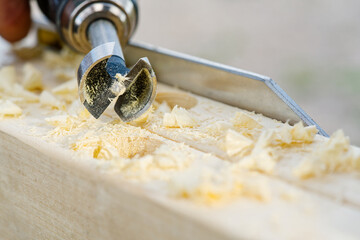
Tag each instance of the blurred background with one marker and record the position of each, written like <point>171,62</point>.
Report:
<point>311,48</point>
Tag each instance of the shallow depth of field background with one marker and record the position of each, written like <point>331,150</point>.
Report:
<point>311,48</point>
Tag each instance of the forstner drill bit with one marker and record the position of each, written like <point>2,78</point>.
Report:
<point>103,28</point>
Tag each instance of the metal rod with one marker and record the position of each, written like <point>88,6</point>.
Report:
<point>103,31</point>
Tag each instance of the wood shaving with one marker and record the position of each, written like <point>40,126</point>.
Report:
<point>9,109</point>
<point>48,99</point>
<point>333,155</point>
<point>32,78</point>
<point>179,118</point>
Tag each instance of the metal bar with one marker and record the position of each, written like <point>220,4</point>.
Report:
<point>219,82</point>
<point>103,31</point>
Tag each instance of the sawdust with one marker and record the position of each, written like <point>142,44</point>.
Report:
<point>261,152</point>
<point>118,87</point>
<point>11,89</point>
<point>243,121</point>
<point>32,78</point>
<point>49,100</point>
<point>142,151</point>
<point>179,118</point>
<point>67,91</point>
<point>333,155</point>
<point>237,144</point>
<point>9,109</point>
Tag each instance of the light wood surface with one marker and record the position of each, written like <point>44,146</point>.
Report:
<point>47,192</point>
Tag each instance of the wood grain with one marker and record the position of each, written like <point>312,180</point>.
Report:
<point>47,192</point>
<point>44,198</point>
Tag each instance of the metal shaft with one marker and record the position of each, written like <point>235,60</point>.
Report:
<point>103,31</point>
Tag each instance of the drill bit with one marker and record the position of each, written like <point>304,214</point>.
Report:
<point>100,29</point>
<point>103,76</point>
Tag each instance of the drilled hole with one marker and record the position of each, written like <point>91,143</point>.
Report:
<point>180,99</point>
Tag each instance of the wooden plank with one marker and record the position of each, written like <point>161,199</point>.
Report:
<point>47,194</point>
<point>46,197</point>
<point>343,187</point>
<point>52,187</point>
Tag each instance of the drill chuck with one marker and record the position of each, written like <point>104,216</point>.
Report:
<point>73,18</point>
